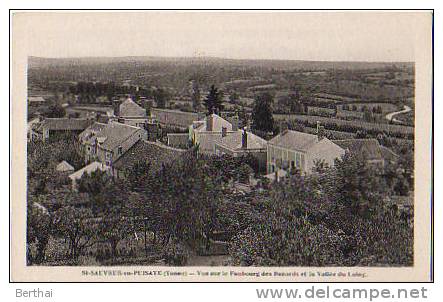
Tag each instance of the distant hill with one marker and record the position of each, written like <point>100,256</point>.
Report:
<point>39,62</point>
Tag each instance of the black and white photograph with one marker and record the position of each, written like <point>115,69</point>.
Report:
<point>228,140</point>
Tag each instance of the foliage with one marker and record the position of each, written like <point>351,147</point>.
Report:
<point>175,254</point>
<point>325,219</point>
<point>56,110</point>
<point>39,227</point>
<point>74,224</point>
<point>213,101</point>
<point>262,118</point>
<point>160,97</point>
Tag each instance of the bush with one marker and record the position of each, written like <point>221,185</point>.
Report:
<point>175,254</point>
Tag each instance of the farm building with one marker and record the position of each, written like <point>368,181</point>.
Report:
<point>92,167</point>
<point>107,142</point>
<point>64,166</point>
<point>52,126</point>
<point>130,113</point>
<point>175,118</point>
<point>36,101</point>
<point>368,149</point>
<point>206,133</point>
<point>240,143</point>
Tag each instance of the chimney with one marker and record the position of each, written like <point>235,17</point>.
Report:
<point>224,131</point>
<point>244,139</point>
<point>209,122</point>
<point>283,127</point>
<point>116,106</point>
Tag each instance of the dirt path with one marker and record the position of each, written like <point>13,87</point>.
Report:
<point>390,116</point>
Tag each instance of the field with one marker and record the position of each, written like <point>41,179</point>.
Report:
<point>352,125</point>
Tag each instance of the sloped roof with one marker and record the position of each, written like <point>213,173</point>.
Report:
<point>388,154</point>
<point>109,135</point>
<point>94,166</point>
<point>130,109</point>
<point>88,135</point>
<point>369,149</point>
<point>64,166</point>
<point>36,99</point>
<point>294,140</point>
<point>174,117</point>
<point>217,123</point>
<point>73,124</point>
<point>233,141</point>
<point>153,152</point>
<point>207,141</point>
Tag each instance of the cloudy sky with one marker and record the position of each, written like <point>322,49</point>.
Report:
<point>331,36</point>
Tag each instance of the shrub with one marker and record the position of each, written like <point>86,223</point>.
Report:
<point>175,254</point>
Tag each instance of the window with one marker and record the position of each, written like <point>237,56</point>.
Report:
<point>302,157</point>
<point>297,160</point>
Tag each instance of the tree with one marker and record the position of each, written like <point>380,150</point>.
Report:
<point>39,227</point>
<point>359,186</point>
<point>95,183</point>
<point>160,97</point>
<point>196,97</point>
<point>113,228</point>
<point>262,118</point>
<point>76,226</point>
<point>233,97</point>
<point>213,101</point>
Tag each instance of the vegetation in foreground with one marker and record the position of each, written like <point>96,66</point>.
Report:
<point>167,215</point>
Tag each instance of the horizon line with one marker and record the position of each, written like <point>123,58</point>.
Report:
<point>214,57</point>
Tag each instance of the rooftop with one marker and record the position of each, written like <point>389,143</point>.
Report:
<point>217,123</point>
<point>130,109</point>
<point>233,141</point>
<point>367,148</point>
<point>294,140</point>
<point>109,135</point>
<point>153,152</point>
<point>92,167</point>
<point>73,124</point>
<point>64,166</point>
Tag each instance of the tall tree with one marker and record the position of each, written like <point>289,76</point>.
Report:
<point>160,97</point>
<point>196,97</point>
<point>262,118</point>
<point>213,101</point>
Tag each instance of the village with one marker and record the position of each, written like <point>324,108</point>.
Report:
<point>128,134</point>
<point>198,175</point>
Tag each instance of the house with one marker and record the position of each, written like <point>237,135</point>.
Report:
<point>154,153</point>
<point>92,167</point>
<point>242,142</point>
<point>368,149</point>
<point>130,113</point>
<point>64,166</point>
<point>206,133</point>
<point>53,126</point>
<point>293,149</point>
<point>107,142</point>
<point>36,101</point>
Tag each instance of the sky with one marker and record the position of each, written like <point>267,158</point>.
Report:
<point>330,36</point>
